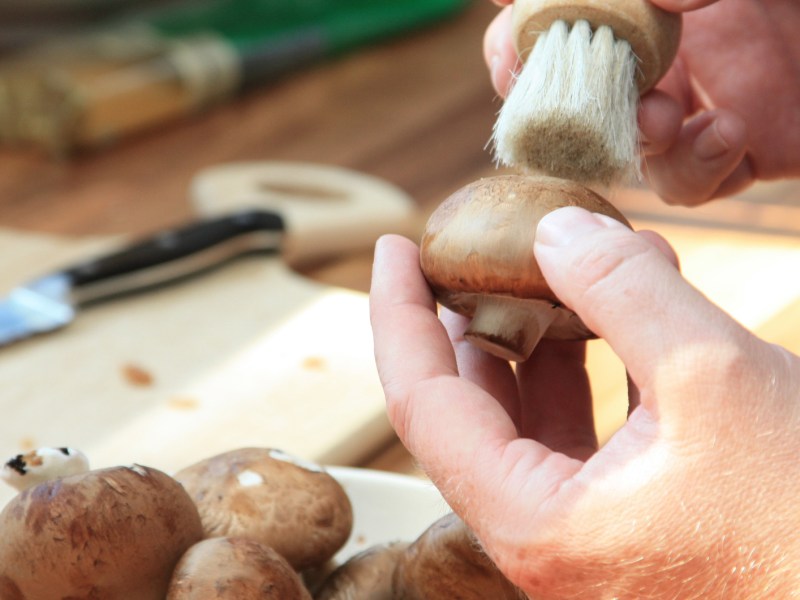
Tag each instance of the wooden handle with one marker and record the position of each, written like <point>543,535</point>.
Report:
<point>654,34</point>
<point>327,210</point>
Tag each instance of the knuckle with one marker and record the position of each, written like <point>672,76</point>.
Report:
<point>712,372</point>
<point>405,408</point>
<point>398,408</point>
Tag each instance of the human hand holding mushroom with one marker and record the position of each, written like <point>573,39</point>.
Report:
<point>476,255</point>
<point>693,497</point>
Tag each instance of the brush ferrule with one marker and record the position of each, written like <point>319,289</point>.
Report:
<point>653,34</point>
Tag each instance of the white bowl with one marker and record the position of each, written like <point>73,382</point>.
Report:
<point>387,507</point>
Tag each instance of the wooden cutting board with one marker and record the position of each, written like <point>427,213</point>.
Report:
<point>248,354</point>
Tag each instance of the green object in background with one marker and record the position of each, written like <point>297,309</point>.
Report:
<point>274,36</point>
<point>164,63</point>
<point>342,24</point>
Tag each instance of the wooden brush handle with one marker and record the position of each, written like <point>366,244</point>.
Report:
<point>653,33</point>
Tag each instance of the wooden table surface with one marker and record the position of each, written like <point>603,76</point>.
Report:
<point>416,111</point>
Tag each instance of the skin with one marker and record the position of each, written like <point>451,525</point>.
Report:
<point>694,497</point>
<point>726,114</point>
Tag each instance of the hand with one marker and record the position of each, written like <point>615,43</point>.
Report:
<point>694,497</point>
<point>727,112</point>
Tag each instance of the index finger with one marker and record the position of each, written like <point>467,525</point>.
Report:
<point>462,437</point>
<point>411,343</point>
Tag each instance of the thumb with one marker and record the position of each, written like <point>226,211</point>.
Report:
<point>629,293</point>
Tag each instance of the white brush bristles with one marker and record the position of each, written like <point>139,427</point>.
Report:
<point>571,113</point>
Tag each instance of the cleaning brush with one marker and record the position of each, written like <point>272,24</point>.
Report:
<point>572,111</point>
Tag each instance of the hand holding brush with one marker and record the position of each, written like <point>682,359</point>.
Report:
<point>572,110</point>
<point>725,114</point>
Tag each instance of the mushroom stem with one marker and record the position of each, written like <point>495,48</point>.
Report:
<point>509,327</point>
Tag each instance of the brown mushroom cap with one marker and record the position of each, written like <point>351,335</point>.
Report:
<point>263,494</point>
<point>367,574</point>
<point>478,246</point>
<point>234,569</point>
<point>446,562</point>
<point>114,534</point>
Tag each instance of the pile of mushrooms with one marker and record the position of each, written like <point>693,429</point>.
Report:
<point>238,525</point>
<point>446,562</point>
<point>477,255</point>
<point>248,524</point>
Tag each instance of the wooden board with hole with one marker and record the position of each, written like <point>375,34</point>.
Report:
<point>251,353</point>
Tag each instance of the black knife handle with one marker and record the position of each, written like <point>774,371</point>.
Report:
<point>176,253</point>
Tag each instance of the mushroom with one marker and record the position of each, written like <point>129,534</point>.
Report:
<point>35,467</point>
<point>236,569</point>
<point>477,255</point>
<point>269,496</point>
<point>114,534</point>
<point>367,574</point>
<point>446,562</point>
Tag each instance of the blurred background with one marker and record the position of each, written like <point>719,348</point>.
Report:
<point>88,74</point>
<point>110,110</point>
<point>98,125</point>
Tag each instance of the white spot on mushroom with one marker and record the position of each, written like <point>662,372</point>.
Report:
<point>302,463</point>
<point>27,470</point>
<point>249,478</point>
<point>139,470</point>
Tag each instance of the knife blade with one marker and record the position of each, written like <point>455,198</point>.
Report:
<point>52,301</point>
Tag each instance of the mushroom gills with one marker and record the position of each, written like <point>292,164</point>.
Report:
<point>510,327</point>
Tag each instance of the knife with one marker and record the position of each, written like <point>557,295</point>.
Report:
<point>51,302</point>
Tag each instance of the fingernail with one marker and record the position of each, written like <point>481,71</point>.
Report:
<point>564,225</point>
<point>494,71</point>
<point>646,146</point>
<point>379,244</point>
